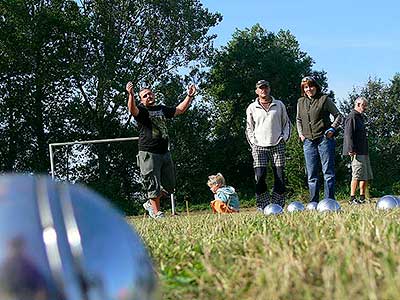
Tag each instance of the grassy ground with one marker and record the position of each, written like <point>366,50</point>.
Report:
<point>354,254</point>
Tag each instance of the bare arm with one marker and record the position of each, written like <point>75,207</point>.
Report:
<point>184,105</point>
<point>131,100</point>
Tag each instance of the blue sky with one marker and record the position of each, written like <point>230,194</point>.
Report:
<point>351,40</point>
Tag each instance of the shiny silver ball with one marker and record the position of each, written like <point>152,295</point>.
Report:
<point>295,206</point>
<point>273,209</point>
<point>328,205</point>
<point>387,202</point>
<point>312,205</point>
<point>63,241</point>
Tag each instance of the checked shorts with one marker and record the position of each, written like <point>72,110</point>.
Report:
<point>262,155</point>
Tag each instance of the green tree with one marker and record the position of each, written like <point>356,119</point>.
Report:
<point>64,66</point>
<point>145,42</point>
<point>37,41</point>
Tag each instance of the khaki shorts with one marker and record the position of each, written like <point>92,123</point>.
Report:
<point>157,171</point>
<point>361,167</point>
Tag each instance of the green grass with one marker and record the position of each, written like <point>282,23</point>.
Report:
<point>354,254</point>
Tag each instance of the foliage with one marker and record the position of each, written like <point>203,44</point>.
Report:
<point>351,255</point>
<point>64,66</point>
<point>37,44</point>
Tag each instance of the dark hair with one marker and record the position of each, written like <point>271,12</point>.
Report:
<point>310,81</point>
<point>144,88</point>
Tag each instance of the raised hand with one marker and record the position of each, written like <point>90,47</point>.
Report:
<point>191,90</point>
<point>129,87</point>
<point>131,99</point>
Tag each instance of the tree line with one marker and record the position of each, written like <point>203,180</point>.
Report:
<point>64,66</point>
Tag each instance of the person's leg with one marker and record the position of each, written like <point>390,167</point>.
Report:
<point>362,171</point>
<point>162,176</point>
<point>168,178</point>
<point>355,174</point>
<point>353,187</point>
<point>262,195</point>
<point>260,158</point>
<point>219,207</point>
<point>312,164</point>
<point>213,208</point>
<point>363,189</point>
<point>326,149</point>
<point>354,179</point>
<point>155,204</point>
<point>278,165</point>
<point>150,170</point>
<point>368,176</point>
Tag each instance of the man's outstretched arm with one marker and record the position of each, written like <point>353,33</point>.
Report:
<point>131,100</point>
<point>184,105</point>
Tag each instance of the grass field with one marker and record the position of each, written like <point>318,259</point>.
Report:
<point>354,254</point>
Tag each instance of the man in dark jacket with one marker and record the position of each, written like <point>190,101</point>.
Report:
<point>355,144</point>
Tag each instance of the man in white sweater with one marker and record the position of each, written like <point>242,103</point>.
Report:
<point>267,131</point>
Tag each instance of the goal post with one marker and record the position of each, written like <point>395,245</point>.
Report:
<point>52,147</point>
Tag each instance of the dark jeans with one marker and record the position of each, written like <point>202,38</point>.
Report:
<point>279,180</point>
<point>320,154</point>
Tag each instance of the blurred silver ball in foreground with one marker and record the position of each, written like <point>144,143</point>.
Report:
<point>62,241</point>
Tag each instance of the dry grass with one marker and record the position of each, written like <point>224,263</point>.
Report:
<point>351,255</point>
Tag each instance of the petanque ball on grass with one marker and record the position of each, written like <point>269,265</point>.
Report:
<point>273,209</point>
<point>387,202</point>
<point>328,205</point>
<point>312,206</point>
<point>295,206</point>
<point>64,241</point>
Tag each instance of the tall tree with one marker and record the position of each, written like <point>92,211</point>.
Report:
<point>37,39</point>
<point>64,66</point>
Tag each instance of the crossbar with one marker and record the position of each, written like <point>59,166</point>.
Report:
<point>82,143</point>
<point>51,152</point>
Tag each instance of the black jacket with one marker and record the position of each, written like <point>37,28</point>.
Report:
<point>355,134</point>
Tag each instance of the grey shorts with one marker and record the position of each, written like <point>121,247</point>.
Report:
<point>157,171</point>
<point>361,167</point>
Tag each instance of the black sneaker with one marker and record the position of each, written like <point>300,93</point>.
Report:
<point>362,201</point>
<point>354,201</point>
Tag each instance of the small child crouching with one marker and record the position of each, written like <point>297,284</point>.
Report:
<point>225,198</point>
